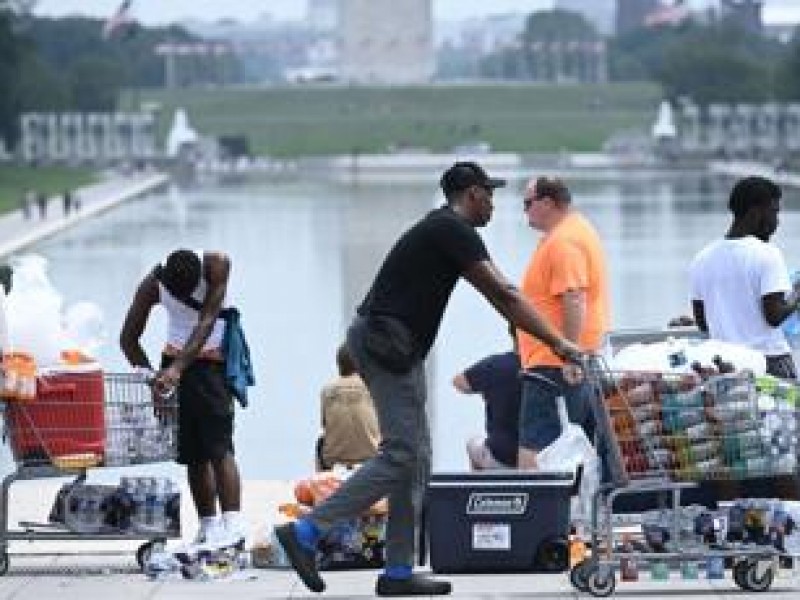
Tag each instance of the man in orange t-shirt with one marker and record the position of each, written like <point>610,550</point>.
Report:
<point>566,281</point>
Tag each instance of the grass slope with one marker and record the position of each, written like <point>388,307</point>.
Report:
<point>312,120</point>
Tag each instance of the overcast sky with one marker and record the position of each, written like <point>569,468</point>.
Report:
<point>161,11</point>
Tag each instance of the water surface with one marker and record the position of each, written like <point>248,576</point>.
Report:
<point>304,254</point>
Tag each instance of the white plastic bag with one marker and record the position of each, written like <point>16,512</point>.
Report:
<point>34,312</point>
<point>84,328</point>
<point>570,450</point>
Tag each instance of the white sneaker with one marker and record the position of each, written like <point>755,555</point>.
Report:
<point>209,535</point>
<point>236,536</point>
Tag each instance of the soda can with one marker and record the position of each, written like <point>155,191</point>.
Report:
<point>697,432</point>
<point>715,568</point>
<point>659,571</point>
<point>689,570</point>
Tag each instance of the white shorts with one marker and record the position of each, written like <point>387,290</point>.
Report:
<point>480,457</point>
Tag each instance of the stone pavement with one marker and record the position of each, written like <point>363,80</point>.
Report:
<point>86,581</point>
<point>16,232</point>
<point>87,570</point>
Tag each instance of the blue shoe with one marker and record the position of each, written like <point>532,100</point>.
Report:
<point>303,561</point>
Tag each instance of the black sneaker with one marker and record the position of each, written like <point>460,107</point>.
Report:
<point>417,585</point>
<point>302,560</point>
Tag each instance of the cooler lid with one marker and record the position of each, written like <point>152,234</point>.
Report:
<point>503,477</point>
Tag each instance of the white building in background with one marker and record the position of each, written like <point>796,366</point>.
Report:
<point>599,13</point>
<point>323,15</point>
<point>385,44</point>
<point>78,138</point>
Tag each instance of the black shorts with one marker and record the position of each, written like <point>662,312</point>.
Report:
<point>205,413</point>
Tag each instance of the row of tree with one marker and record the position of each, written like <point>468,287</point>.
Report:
<point>705,61</point>
<point>68,64</point>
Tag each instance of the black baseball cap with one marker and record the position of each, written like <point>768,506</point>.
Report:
<point>465,174</point>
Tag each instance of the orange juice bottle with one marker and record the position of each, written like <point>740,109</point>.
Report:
<point>577,550</point>
<point>10,376</point>
<point>26,390</point>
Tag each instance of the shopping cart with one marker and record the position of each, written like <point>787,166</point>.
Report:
<point>663,434</point>
<point>80,421</point>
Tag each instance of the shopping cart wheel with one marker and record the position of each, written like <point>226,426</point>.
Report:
<point>552,555</point>
<point>601,582</point>
<point>3,563</point>
<point>145,551</point>
<point>756,581</point>
<point>739,570</point>
<point>579,574</point>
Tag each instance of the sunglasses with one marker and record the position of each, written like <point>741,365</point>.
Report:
<point>526,202</point>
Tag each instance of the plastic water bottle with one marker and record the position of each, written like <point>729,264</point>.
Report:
<point>159,508</point>
<point>715,568</point>
<point>689,570</point>
<point>659,571</point>
<point>628,567</point>
<point>151,495</point>
<point>139,501</point>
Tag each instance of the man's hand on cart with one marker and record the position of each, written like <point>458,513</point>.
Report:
<point>575,358</point>
<point>163,393</point>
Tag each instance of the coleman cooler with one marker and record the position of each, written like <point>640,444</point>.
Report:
<point>497,522</point>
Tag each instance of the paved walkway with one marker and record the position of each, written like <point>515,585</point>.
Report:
<point>87,570</point>
<point>16,232</point>
<point>744,168</point>
<point>93,583</point>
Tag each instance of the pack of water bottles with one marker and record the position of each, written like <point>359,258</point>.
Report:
<point>137,506</point>
<point>137,433</point>
<point>709,424</point>
<point>210,561</point>
<point>770,523</point>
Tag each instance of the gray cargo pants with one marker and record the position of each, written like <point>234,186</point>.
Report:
<point>401,469</point>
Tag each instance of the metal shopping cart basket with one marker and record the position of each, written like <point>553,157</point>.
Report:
<point>665,433</point>
<point>86,420</point>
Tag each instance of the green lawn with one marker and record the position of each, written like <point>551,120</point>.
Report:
<point>16,180</point>
<point>312,120</point>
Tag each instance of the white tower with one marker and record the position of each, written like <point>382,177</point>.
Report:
<point>382,43</point>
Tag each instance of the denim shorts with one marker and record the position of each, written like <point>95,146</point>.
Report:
<point>538,423</point>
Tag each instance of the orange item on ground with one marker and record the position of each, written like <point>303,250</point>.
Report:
<point>322,485</point>
<point>302,492</point>
<point>577,551</point>
<point>292,510</point>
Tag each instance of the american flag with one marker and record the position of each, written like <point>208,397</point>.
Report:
<point>118,19</point>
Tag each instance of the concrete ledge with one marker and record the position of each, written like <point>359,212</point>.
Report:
<point>17,232</point>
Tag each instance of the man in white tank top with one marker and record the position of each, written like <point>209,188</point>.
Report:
<point>192,289</point>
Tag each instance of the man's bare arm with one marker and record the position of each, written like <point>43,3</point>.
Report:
<point>777,307</point>
<point>144,299</point>
<point>573,305</point>
<point>461,383</point>
<point>510,303</point>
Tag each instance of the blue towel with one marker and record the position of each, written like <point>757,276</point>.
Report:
<point>238,367</point>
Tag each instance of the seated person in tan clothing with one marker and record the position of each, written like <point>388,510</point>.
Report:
<point>350,433</point>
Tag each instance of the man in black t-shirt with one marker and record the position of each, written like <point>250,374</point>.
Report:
<point>389,340</point>
<point>497,379</point>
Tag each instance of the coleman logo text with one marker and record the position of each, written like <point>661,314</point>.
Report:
<point>497,503</point>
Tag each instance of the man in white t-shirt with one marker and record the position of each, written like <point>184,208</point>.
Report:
<point>740,285</point>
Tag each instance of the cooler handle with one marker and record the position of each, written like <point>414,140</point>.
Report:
<point>68,389</point>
